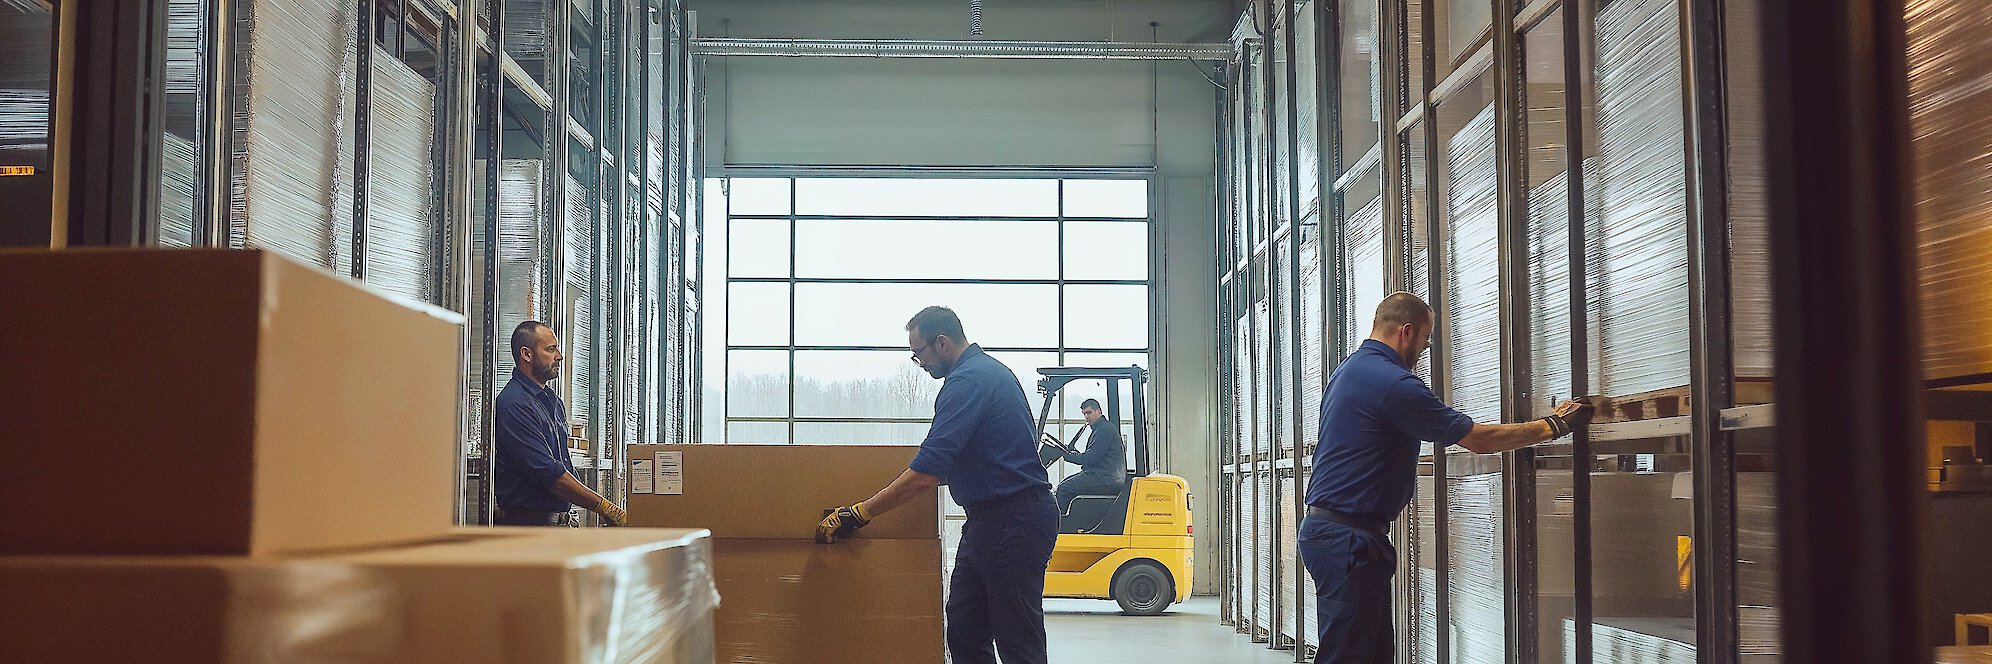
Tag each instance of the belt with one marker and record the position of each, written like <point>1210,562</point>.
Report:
<point>1377,526</point>
<point>547,517</point>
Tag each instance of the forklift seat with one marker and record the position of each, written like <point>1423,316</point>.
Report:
<point>1096,515</point>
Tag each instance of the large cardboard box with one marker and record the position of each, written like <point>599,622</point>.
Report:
<point>220,402</point>
<point>784,599</point>
<point>538,595</point>
<point>854,602</point>
<point>775,491</point>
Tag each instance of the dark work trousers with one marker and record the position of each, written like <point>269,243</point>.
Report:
<point>996,594</point>
<point>521,518</point>
<point>1351,569</point>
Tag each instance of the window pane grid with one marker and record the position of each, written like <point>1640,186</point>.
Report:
<point>855,256</point>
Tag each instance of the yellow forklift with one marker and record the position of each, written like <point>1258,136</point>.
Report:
<point>1134,548</point>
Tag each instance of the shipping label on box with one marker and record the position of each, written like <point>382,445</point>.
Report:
<point>641,477</point>
<point>671,473</point>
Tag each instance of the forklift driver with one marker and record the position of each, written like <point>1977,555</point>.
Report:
<point>1102,467</point>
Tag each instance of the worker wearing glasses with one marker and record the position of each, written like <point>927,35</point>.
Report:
<point>983,445</point>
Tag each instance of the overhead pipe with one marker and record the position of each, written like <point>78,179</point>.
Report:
<point>1022,50</point>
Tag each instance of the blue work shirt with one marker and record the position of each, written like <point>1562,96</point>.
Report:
<point>1372,418</point>
<point>983,443</point>
<point>1105,461</point>
<point>531,447</point>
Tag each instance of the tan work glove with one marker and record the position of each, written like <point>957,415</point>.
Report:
<point>612,515</point>
<point>841,523</point>
<point>1570,416</point>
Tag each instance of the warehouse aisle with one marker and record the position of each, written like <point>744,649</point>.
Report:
<point>1094,632</point>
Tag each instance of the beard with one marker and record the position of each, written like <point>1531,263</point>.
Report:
<point>939,371</point>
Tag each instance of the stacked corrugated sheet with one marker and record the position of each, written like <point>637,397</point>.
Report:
<point>1757,564</point>
<point>578,271</point>
<point>1291,570</point>
<point>1637,248</point>
<point>1472,278</point>
<point>1475,571</point>
<point>1311,342</point>
<point>1249,535</point>
<point>1750,340</point>
<point>26,35</point>
<point>1227,551</point>
<point>527,37</point>
<point>523,259</point>
<point>1950,86</point>
<point>402,237</point>
<point>1418,237</point>
<point>1424,559</point>
<point>1636,640</point>
<point>180,172</point>
<point>1262,443</point>
<point>1307,114</point>
<point>1242,391</point>
<point>1362,244</point>
<point>293,146</point>
<point>180,164</point>
<point>1549,294</point>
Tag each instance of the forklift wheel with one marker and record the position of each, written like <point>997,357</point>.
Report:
<point>1144,589</point>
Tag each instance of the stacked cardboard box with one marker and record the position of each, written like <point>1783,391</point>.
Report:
<point>276,450</point>
<point>874,598</point>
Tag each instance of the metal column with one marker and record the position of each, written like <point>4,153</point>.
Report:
<point>1848,437</point>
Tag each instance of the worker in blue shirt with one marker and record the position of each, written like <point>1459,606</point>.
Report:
<point>1373,416</point>
<point>534,479</point>
<point>1102,467</point>
<point>983,445</point>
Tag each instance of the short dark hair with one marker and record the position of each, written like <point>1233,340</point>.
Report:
<point>1090,403</point>
<point>933,322</point>
<point>1399,308</point>
<point>522,336</point>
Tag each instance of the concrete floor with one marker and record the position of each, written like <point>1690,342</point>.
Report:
<point>1094,632</point>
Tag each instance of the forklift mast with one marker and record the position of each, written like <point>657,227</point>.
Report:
<point>1056,378</point>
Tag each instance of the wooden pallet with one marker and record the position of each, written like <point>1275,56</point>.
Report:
<point>1671,402</point>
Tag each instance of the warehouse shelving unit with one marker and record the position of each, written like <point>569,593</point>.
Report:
<point>1464,111</point>
<point>588,100</point>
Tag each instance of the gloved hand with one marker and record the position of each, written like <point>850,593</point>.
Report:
<point>841,523</point>
<point>614,516</point>
<point>1570,416</point>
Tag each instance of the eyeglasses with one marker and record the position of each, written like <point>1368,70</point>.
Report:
<point>918,351</point>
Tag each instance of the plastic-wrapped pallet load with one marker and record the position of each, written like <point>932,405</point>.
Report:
<point>1950,86</point>
<point>1964,655</point>
<point>521,273</point>
<point>295,62</point>
<point>607,596</point>
<point>1312,366</point>
<point>26,40</point>
<point>1424,560</point>
<point>1637,253</point>
<point>1757,564</point>
<point>1248,552</point>
<point>1262,554</point>
<point>578,271</point>
<point>1475,571</point>
<point>527,37</point>
<point>1242,402</point>
<point>1636,640</point>
<point>402,244</point>
<point>1751,347</point>
<point>179,181</point>
<point>1365,274</point>
<point>180,163</point>
<point>787,598</point>
<point>1290,568</point>
<point>1549,294</point>
<point>1472,274</point>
